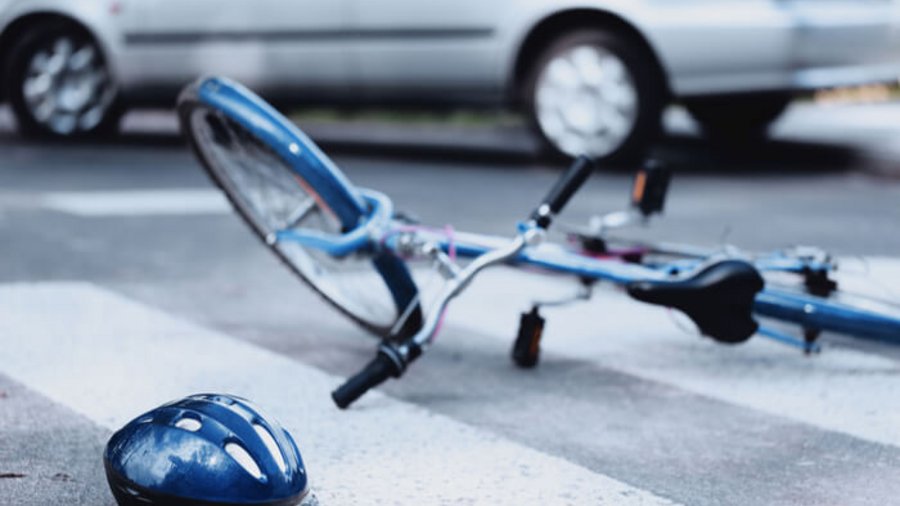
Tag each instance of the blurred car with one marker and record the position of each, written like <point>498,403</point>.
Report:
<point>593,75</point>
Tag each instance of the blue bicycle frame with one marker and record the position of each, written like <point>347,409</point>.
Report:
<point>807,311</point>
<point>370,230</point>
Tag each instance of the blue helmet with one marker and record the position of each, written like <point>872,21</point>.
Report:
<point>208,450</point>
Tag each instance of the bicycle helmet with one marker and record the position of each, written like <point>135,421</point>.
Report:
<point>205,450</point>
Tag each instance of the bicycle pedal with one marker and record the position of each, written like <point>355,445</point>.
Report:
<point>527,348</point>
<point>651,183</point>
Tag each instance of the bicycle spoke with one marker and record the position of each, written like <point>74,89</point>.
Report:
<point>273,197</point>
<point>299,214</point>
<point>268,188</point>
<point>252,161</point>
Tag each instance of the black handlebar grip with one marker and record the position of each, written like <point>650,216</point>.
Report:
<point>563,190</point>
<point>374,374</point>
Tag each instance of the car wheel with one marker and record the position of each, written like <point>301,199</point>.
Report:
<point>738,118</point>
<point>597,93</point>
<point>59,84</point>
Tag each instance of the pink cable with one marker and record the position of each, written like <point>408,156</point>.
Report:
<point>451,241</point>
<point>451,252</point>
<point>449,232</point>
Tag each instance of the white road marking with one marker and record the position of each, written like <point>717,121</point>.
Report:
<point>137,202</point>
<point>110,359</point>
<point>843,390</point>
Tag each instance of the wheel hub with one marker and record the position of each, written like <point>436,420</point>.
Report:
<point>586,101</point>
<point>74,93</point>
<point>66,86</point>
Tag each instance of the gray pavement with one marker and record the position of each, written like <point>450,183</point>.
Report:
<point>48,453</point>
<point>622,400</point>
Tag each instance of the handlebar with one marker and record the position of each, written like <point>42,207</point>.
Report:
<point>388,363</point>
<point>562,191</point>
<point>392,358</point>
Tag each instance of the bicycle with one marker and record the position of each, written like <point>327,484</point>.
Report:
<point>349,246</point>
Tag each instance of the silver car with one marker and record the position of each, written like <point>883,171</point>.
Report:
<point>593,75</point>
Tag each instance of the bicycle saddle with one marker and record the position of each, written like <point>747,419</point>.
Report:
<point>718,298</point>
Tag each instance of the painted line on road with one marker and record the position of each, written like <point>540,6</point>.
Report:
<point>98,204</point>
<point>843,390</point>
<point>110,358</point>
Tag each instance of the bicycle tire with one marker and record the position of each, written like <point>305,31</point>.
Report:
<point>217,115</point>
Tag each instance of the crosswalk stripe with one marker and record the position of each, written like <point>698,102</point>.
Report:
<point>843,390</point>
<point>110,358</point>
<point>95,204</point>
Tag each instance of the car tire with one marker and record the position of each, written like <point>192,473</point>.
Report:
<point>738,119</point>
<point>59,84</point>
<point>595,92</point>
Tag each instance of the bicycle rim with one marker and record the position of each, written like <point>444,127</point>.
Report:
<point>271,196</point>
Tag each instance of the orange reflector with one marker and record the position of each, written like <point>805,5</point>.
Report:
<point>640,184</point>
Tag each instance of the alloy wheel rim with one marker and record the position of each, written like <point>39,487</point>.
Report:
<point>67,88</point>
<point>586,101</point>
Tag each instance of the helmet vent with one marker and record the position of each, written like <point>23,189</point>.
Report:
<point>240,455</point>
<point>271,445</point>
<point>189,424</point>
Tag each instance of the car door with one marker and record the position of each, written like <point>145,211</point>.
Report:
<point>267,44</point>
<point>413,49</point>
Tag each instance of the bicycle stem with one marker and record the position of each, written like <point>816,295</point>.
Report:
<point>531,236</point>
<point>410,349</point>
<point>392,359</point>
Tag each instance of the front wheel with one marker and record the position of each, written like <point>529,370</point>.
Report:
<point>279,181</point>
<point>59,84</point>
<point>594,92</point>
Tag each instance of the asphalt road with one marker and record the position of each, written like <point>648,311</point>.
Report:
<point>622,395</point>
